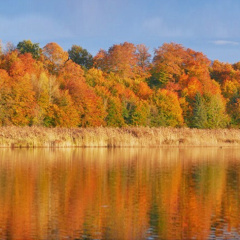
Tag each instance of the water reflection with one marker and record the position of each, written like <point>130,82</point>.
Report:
<point>120,193</point>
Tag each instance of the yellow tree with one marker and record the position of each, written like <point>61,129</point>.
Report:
<point>166,110</point>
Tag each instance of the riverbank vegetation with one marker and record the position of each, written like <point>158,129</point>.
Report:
<point>33,137</point>
<point>119,87</point>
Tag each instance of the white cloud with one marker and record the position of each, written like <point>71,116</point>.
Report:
<point>225,42</point>
<point>34,27</point>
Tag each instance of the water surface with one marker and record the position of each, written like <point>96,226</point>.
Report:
<point>169,193</point>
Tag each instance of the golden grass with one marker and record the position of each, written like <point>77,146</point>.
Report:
<point>19,137</point>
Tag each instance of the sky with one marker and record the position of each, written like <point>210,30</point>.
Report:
<point>208,26</point>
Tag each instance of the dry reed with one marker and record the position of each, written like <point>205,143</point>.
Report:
<point>31,137</point>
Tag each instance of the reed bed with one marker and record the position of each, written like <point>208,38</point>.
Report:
<point>33,137</point>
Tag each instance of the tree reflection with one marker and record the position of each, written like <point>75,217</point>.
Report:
<point>119,194</point>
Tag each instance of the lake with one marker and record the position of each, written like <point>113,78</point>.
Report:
<point>131,193</point>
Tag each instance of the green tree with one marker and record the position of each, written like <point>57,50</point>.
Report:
<point>199,112</point>
<point>81,56</point>
<point>136,113</point>
<point>26,46</point>
<point>114,116</point>
<point>209,112</point>
<point>158,79</point>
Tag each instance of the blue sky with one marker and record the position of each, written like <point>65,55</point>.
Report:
<point>209,26</point>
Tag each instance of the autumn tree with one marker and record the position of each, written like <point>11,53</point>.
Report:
<point>168,60</point>
<point>120,59</point>
<point>196,64</point>
<point>18,88</point>
<point>122,87</point>
<point>88,104</point>
<point>55,57</point>
<point>23,105</point>
<point>100,61</point>
<point>95,77</point>
<point>68,115</point>
<point>230,89</point>
<point>142,90</point>
<point>172,61</point>
<point>166,109</point>
<point>6,98</point>
<point>221,71</point>
<point>126,60</point>
<point>47,92</point>
<point>112,104</point>
<point>143,60</point>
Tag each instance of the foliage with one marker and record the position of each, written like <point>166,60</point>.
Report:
<point>125,60</point>
<point>117,87</point>
<point>166,110</point>
<point>55,57</point>
<point>81,56</point>
<point>209,112</point>
<point>26,46</point>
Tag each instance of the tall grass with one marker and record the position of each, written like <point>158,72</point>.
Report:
<point>31,137</point>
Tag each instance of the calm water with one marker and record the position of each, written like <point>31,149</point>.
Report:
<point>191,193</point>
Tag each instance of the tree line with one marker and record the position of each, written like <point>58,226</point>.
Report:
<point>123,86</point>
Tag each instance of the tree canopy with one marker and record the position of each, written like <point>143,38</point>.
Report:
<point>26,46</point>
<point>121,86</point>
<point>81,56</point>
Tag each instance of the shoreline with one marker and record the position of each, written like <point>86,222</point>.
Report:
<point>109,137</point>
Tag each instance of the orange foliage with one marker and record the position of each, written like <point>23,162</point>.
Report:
<point>183,80</point>
<point>169,58</point>
<point>22,109</point>
<point>197,64</point>
<point>221,71</point>
<point>55,57</point>
<point>100,60</point>
<point>124,92</point>
<point>89,105</point>
<point>144,91</point>
<point>126,60</point>
<point>4,78</point>
<point>194,86</point>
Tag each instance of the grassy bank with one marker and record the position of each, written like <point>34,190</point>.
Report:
<point>16,137</point>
